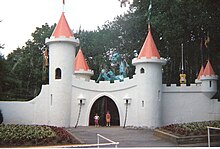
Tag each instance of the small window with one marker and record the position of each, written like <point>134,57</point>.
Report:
<point>158,95</point>
<point>142,70</point>
<point>210,83</point>
<point>51,99</point>
<point>58,73</point>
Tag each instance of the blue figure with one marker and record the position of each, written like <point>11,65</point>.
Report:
<point>116,59</point>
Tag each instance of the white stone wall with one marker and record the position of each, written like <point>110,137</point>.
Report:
<point>30,112</point>
<point>179,104</point>
<point>182,104</point>
<point>91,91</point>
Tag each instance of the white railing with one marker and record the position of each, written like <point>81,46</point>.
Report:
<point>209,133</point>
<point>111,142</point>
<point>91,145</point>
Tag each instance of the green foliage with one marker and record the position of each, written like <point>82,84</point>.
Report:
<point>191,129</point>
<point>19,134</point>
<point>11,132</point>
<point>33,135</point>
<point>23,68</point>
<point>172,22</point>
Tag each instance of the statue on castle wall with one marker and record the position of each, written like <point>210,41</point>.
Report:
<point>118,64</point>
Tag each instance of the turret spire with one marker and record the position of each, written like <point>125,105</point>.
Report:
<point>80,62</point>
<point>149,48</point>
<point>200,72</point>
<point>208,70</point>
<point>62,28</point>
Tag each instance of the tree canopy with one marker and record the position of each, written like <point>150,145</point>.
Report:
<point>173,22</point>
<point>23,68</point>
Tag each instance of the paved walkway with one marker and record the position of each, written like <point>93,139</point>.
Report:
<point>125,136</point>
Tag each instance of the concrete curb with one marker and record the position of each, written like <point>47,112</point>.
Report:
<point>78,139</point>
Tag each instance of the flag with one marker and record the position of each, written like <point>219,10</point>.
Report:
<point>123,2</point>
<point>149,11</point>
<point>207,40</point>
<point>201,50</point>
<point>45,55</point>
<point>79,29</point>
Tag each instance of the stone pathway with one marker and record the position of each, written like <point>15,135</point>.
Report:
<point>126,137</point>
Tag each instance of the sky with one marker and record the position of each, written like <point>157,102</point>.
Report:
<point>21,17</point>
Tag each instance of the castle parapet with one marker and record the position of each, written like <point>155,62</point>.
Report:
<point>103,86</point>
<point>182,88</point>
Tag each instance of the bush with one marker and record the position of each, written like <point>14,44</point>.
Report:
<point>1,117</point>
<point>14,135</point>
<point>191,129</point>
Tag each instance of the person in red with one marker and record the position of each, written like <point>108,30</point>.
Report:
<point>108,118</point>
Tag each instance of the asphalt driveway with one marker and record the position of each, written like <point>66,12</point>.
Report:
<point>126,137</point>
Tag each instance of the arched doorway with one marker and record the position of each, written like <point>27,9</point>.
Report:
<point>101,106</point>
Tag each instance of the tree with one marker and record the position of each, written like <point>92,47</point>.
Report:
<point>173,22</point>
<point>25,66</point>
<point>176,22</point>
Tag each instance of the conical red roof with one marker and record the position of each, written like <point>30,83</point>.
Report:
<point>62,28</point>
<point>208,70</point>
<point>200,73</point>
<point>149,48</point>
<point>80,62</point>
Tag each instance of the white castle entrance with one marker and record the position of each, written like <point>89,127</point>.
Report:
<point>101,106</point>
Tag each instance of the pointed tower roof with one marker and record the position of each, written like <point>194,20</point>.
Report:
<point>149,48</point>
<point>80,62</point>
<point>200,73</point>
<point>208,70</point>
<point>62,28</point>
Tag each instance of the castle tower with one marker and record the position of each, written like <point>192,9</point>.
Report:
<point>81,69</point>
<point>62,45</point>
<point>198,81</point>
<point>209,80</point>
<point>149,73</point>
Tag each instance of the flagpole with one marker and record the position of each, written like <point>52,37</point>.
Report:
<point>182,74</point>
<point>63,4</point>
<point>149,13</point>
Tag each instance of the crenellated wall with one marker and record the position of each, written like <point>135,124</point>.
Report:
<point>181,104</point>
<point>181,88</point>
<point>90,91</point>
<point>103,86</point>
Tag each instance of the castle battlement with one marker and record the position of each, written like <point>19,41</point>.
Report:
<point>103,86</point>
<point>61,38</point>
<point>84,72</point>
<point>153,59</point>
<point>181,88</point>
<point>209,77</point>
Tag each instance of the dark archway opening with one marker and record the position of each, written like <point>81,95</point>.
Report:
<point>101,106</point>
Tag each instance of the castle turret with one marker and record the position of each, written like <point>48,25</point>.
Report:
<point>149,74</point>
<point>81,69</point>
<point>209,80</point>
<point>62,45</point>
<point>198,81</point>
